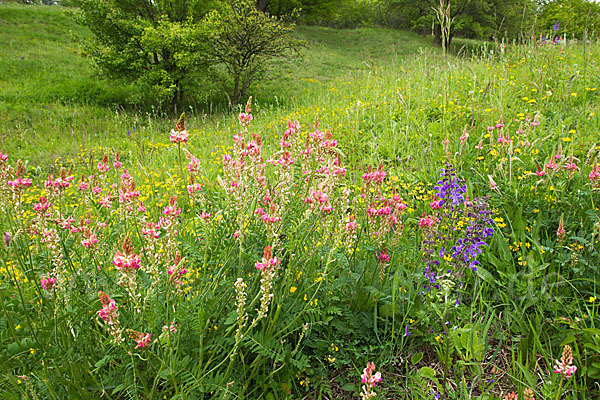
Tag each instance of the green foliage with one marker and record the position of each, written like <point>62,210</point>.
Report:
<point>577,18</point>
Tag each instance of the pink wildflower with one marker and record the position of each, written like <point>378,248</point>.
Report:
<point>560,232</point>
<point>20,183</point>
<point>268,262</point>
<point>126,261</point>
<point>170,329</point>
<point>109,310</point>
<point>179,134</point>
<point>172,209</point>
<point>384,257</point>
<point>464,137</point>
<point>425,221</point>
<point>511,396</point>
<point>528,394</point>
<point>90,242</point>
<point>500,124</point>
<point>368,377</point>
<point>47,282</point>
<point>595,173</point>
<point>244,118</point>
<point>142,339</point>
<point>565,366</point>
<point>103,167</point>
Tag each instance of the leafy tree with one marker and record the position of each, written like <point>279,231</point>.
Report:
<point>159,45</point>
<point>242,39</point>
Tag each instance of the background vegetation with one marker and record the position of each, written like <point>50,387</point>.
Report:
<point>393,102</point>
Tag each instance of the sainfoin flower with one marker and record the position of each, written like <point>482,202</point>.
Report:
<point>425,221</point>
<point>142,339</point>
<point>109,313</point>
<point>47,282</point>
<point>179,134</point>
<point>565,366</point>
<point>125,261</point>
<point>368,377</point>
<point>511,396</point>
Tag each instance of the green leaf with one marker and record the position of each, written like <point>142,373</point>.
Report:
<point>416,358</point>
<point>484,274</point>
<point>426,372</point>
<point>350,387</point>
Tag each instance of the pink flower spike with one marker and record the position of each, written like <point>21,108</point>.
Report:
<point>179,136</point>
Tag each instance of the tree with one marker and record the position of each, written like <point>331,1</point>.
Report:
<point>242,39</point>
<point>156,44</point>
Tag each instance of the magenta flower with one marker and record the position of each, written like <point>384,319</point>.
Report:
<point>48,282</point>
<point>384,257</point>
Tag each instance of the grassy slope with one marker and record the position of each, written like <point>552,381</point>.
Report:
<point>52,105</point>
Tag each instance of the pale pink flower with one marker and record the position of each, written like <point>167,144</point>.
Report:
<point>500,124</point>
<point>511,396</point>
<point>142,339</point>
<point>170,328</point>
<point>560,232</point>
<point>464,137</point>
<point>179,136</point>
<point>125,262</point>
<point>565,366</point>
<point>90,242</point>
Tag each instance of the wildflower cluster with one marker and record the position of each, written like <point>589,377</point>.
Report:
<point>369,380</point>
<point>455,232</point>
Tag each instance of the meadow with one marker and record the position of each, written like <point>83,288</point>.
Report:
<point>381,220</point>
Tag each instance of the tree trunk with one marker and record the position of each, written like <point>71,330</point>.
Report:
<point>437,34</point>
<point>261,5</point>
